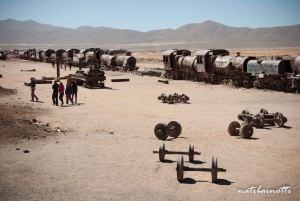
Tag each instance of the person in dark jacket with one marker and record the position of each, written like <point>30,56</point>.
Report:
<point>69,91</point>
<point>32,88</point>
<point>55,87</point>
<point>53,64</point>
<point>70,65</point>
<point>75,89</point>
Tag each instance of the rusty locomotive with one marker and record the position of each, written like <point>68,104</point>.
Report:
<point>83,58</point>
<point>216,66</point>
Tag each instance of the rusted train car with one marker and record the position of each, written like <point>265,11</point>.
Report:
<point>3,55</point>
<point>45,55</point>
<point>217,66</point>
<point>67,56</point>
<point>109,61</point>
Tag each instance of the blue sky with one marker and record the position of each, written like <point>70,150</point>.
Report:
<point>153,14</point>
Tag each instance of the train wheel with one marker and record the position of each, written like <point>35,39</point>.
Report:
<point>230,83</point>
<point>236,84</point>
<point>298,89</point>
<point>272,86</point>
<point>279,87</point>
<point>255,84</point>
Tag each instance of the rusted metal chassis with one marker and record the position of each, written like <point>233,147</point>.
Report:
<point>88,81</point>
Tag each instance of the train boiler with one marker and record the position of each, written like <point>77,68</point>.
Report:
<point>109,61</point>
<point>45,56</point>
<point>67,56</point>
<point>171,59</point>
<point>126,63</point>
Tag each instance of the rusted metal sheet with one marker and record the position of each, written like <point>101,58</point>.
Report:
<point>46,53</point>
<point>90,56</point>
<point>2,56</point>
<point>108,60</point>
<point>297,65</point>
<point>52,56</point>
<point>170,57</point>
<point>268,67</point>
<point>223,62</point>
<point>126,61</point>
<point>239,63</point>
<point>190,63</point>
<point>59,53</point>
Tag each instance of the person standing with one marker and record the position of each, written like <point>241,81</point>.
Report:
<point>53,64</point>
<point>55,87</point>
<point>74,93</point>
<point>70,64</point>
<point>65,66</point>
<point>61,90</point>
<point>32,88</point>
<point>69,91</point>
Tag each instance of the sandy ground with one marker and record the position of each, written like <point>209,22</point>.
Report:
<point>89,163</point>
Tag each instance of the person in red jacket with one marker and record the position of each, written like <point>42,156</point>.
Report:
<point>61,91</point>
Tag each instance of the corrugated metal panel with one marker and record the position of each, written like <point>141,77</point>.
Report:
<point>267,67</point>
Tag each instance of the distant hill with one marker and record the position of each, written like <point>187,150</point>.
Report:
<point>207,34</point>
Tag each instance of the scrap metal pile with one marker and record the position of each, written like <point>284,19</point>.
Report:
<point>173,98</point>
<point>259,120</point>
<point>92,78</point>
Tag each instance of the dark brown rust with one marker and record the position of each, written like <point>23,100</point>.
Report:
<point>120,80</point>
<point>164,81</point>
<point>214,169</point>
<point>245,131</point>
<point>163,131</point>
<point>33,70</point>
<point>162,152</point>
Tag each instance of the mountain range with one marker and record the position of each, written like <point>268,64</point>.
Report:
<point>207,34</point>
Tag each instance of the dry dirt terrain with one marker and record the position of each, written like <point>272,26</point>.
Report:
<point>104,148</point>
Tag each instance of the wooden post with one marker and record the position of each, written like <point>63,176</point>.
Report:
<point>57,67</point>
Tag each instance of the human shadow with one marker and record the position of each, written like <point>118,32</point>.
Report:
<point>78,104</point>
<point>287,127</point>
<point>38,101</point>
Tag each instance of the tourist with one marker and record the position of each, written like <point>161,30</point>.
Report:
<point>55,87</point>
<point>75,89</point>
<point>61,90</point>
<point>32,88</point>
<point>69,92</point>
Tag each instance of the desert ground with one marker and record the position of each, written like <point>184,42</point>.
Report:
<point>103,149</point>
